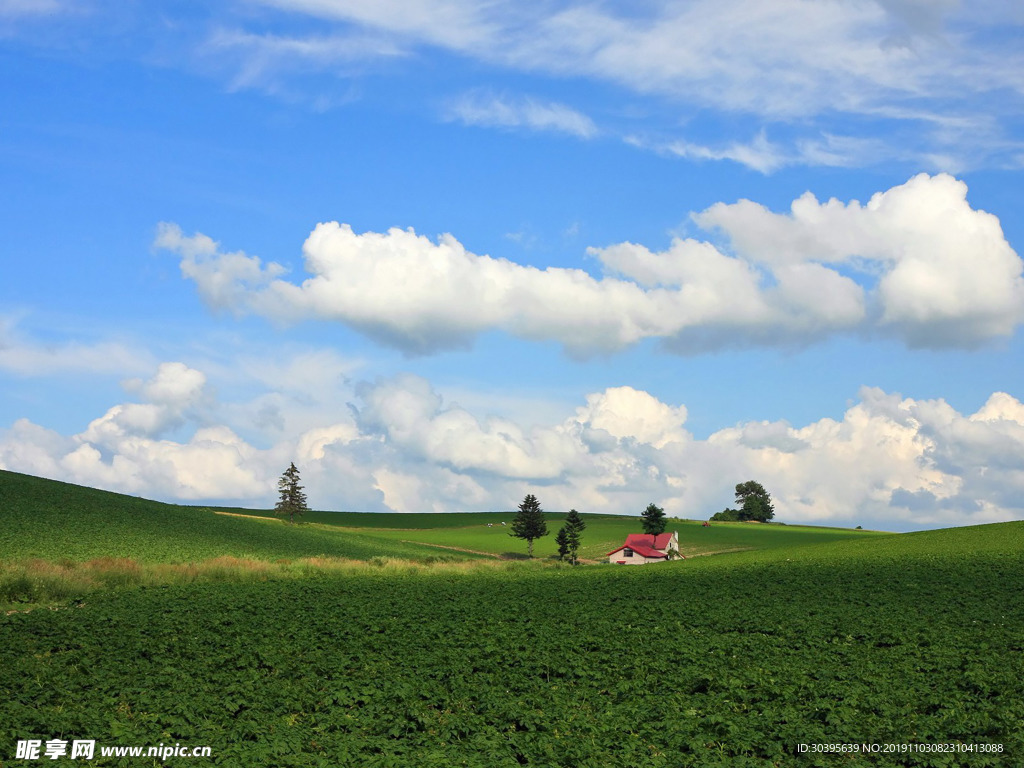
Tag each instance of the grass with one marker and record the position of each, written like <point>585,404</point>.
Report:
<point>62,542</point>
<point>49,520</point>
<point>26,585</point>
<point>470,532</point>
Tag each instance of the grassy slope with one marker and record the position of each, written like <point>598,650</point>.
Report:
<point>51,520</point>
<point>712,661</point>
<point>603,533</point>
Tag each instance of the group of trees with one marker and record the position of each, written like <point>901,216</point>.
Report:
<point>529,524</point>
<point>753,502</point>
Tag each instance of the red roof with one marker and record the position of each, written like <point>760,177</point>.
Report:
<point>646,544</point>
<point>659,541</point>
<point>640,549</point>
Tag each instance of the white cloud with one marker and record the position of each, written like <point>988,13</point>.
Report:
<point>487,109</point>
<point>766,156</point>
<point>169,395</point>
<point>409,415</point>
<point>26,356</point>
<point>272,62</point>
<point>759,154</point>
<point>782,58</point>
<point>930,270</point>
<point>787,62</point>
<point>890,462</point>
<point>456,24</point>
<point>627,413</point>
<point>948,275</point>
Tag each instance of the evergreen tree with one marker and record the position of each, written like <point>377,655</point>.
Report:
<point>653,519</point>
<point>562,539</point>
<point>293,500</point>
<point>529,522</point>
<point>574,526</point>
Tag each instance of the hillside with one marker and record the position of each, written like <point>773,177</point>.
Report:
<point>51,520</point>
<point>470,531</point>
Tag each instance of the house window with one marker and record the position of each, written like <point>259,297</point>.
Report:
<point>627,552</point>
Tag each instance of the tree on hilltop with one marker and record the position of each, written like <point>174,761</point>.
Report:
<point>529,522</point>
<point>653,519</point>
<point>293,500</point>
<point>753,502</point>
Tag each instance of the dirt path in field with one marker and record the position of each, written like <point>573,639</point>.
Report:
<point>717,552</point>
<point>454,549</point>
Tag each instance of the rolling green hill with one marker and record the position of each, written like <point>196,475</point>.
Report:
<point>51,520</point>
<point>470,532</point>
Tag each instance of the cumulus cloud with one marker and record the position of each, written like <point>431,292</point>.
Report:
<point>168,396</point>
<point>916,262</point>
<point>947,274</point>
<point>889,462</point>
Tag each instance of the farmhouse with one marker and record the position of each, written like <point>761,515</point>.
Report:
<point>643,548</point>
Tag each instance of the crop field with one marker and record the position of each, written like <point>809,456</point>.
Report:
<point>728,660</point>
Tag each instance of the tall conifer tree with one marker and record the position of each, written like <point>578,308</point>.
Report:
<point>293,500</point>
<point>529,522</point>
<point>573,528</point>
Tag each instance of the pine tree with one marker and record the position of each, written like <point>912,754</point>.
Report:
<point>293,500</point>
<point>529,522</point>
<point>562,539</point>
<point>574,526</point>
<point>653,519</point>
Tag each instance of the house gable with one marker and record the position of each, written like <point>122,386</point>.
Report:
<point>644,548</point>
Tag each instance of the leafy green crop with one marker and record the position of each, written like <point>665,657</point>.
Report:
<point>726,661</point>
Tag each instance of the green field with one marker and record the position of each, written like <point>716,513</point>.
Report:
<point>727,660</point>
<point>50,520</point>
<point>470,532</point>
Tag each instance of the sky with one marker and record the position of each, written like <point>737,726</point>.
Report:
<point>444,254</point>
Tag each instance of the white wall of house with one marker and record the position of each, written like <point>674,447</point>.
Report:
<point>636,558</point>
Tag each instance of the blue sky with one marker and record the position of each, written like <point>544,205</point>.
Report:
<point>445,254</point>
